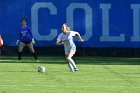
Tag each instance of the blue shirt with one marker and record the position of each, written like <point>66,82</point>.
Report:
<point>25,34</point>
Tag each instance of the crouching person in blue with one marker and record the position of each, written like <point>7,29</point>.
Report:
<point>25,39</point>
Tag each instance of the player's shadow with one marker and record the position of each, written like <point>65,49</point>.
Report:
<point>109,61</point>
<point>17,71</point>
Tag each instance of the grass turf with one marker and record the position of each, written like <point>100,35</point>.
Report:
<point>95,75</point>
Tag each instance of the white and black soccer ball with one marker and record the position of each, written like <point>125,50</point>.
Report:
<point>41,69</point>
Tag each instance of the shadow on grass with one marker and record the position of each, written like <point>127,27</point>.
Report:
<point>18,71</point>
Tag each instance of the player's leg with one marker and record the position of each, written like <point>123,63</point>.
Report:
<point>0,50</point>
<point>66,55</point>
<point>31,48</point>
<point>70,65</point>
<point>21,46</point>
<point>69,58</point>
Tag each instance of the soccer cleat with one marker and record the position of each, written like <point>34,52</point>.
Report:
<point>76,69</point>
<point>72,71</point>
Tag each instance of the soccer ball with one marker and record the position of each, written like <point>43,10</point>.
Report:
<point>41,69</point>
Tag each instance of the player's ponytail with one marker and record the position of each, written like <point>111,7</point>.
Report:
<point>68,28</point>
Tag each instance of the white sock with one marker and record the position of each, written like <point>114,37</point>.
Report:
<point>71,61</point>
<point>71,67</point>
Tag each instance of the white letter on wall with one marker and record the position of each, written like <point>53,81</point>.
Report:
<point>88,13</point>
<point>105,25</point>
<point>34,18</point>
<point>136,22</point>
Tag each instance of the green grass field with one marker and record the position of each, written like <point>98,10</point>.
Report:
<point>95,75</point>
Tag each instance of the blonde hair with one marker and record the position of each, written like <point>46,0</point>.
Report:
<point>68,28</point>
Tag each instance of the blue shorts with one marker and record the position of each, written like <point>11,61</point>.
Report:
<point>26,42</point>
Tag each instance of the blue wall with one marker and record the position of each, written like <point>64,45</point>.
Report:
<point>102,23</point>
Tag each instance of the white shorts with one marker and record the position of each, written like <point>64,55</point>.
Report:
<point>67,50</point>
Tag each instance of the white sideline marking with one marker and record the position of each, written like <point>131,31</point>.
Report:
<point>67,86</point>
<point>7,60</point>
<point>31,57</point>
<point>29,61</point>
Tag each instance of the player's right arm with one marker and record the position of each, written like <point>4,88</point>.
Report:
<point>59,40</point>
<point>17,42</point>
<point>59,43</point>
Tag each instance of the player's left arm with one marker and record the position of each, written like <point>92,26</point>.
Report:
<point>33,40</point>
<point>79,36</point>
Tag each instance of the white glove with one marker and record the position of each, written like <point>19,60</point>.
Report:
<point>33,41</point>
<point>17,42</point>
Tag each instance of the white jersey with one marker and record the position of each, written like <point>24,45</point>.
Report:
<point>67,39</point>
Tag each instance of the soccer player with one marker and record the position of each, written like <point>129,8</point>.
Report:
<point>66,39</point>
<point>1,43</point>
<point>25,39</point>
